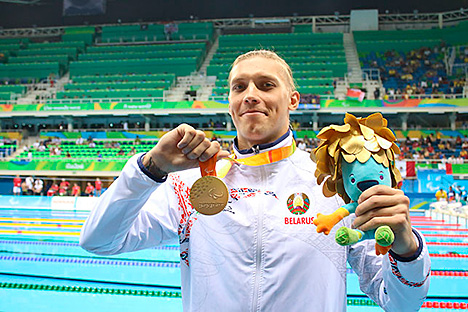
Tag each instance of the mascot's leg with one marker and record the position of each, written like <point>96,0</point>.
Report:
<point>325,223</point>
<point>346,236</point>
<point>384,238</point>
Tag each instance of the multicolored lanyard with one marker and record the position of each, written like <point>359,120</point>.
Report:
<point>264,158</point>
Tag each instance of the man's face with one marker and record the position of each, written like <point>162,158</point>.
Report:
<point>260,100</point>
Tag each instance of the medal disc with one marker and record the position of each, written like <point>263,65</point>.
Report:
<point>209,195</point>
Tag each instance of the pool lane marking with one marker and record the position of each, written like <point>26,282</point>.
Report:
<point>448,230</point>
<point>434,224</point>
<point>447,235</point>
<point>57,225</point>
<point>447,243</point>
<point>93,290</point>
<point>43,220</point>
<point>27,232</point>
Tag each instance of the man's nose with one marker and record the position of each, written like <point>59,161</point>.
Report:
<point>251,96</point>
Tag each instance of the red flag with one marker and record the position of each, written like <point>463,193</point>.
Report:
<point>410,169</point>
<point>448,168</point>
<point>355,95</point>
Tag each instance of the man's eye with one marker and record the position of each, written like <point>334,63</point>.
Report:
<point>237,87</point>
<point>269,84</point>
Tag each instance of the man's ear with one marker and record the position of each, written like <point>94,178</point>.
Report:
<point>294,101</point>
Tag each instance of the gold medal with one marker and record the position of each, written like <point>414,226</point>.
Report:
<point>209,195</point>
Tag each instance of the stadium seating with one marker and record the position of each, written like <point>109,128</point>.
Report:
<point>7,92</point>
<point>314,58</point>
<point>86,152</point>
<point>143,59</point>
<point>415,64</point>
<point>156,32</point>
<point>84,34</point>
<point>26,61</point>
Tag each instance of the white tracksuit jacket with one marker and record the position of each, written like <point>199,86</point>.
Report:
<point>255,255</point>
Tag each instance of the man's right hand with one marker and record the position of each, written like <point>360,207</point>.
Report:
<point>181,148</point>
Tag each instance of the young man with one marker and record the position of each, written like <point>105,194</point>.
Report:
<point>256,255</point>
<point>98,187</point>
<point>89,190</point>
<point>76,190</point>
<point>17,185</point>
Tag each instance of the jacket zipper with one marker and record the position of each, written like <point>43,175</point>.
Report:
<point>256,149</point>
<point>259,254</point>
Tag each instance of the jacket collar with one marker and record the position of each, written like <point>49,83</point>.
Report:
<point>285,140</point>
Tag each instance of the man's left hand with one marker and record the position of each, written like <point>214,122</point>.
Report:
<point>383,205</point>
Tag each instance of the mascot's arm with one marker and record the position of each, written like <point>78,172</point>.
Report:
<point>325,223</point>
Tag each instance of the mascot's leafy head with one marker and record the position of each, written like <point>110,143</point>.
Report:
<point>358,139</point>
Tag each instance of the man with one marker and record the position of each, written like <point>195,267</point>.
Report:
<point>98,187</point>
<point>450,195</point>
<point>76,190</point>
<point>441,195</point>
<point>17,185</point>
<point>256,255</point>
<point>30,185</point>
<point>38,186</point>
<point>63,187</point>
<point>89,190</point>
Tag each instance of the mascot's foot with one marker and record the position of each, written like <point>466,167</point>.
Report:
<point>346,236</point>
<point>325,223</point>
<point>384,236</point>
<point>381,250</point>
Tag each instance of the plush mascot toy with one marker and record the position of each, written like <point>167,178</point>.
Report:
<point>350,159</point>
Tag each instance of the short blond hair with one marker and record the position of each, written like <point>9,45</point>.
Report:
<point>268,55</point>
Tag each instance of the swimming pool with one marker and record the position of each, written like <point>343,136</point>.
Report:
<point>42,268</point>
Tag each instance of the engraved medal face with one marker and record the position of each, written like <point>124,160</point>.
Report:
<point>209,195</point>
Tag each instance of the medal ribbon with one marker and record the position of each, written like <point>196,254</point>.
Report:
<point>259,159</point>
<point>208,168</point>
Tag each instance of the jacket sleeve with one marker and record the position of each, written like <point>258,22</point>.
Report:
<point>133,214</point>
<point>394,283</point>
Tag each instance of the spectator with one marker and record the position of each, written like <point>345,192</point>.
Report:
<point>76,190</point>
<point>38,186</point>
<point>137,140</point>
<point>301,145</point>
<point>64,186</point>
<point>132,151</point>
<point>430,148</point>
<point>24,188</point>
<point>17,185</point>
<point>451,195</point>
<point>53,189</point>
<point>441,195</point>
<point>377,93</point>
<point>98,185</point>
<point>89,191</point>
<point>30,185</point>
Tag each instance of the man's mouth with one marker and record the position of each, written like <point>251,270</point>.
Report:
<point>253,113</point>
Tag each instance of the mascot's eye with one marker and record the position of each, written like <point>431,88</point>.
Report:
<point>381,176</point>
<point>352,179</point>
